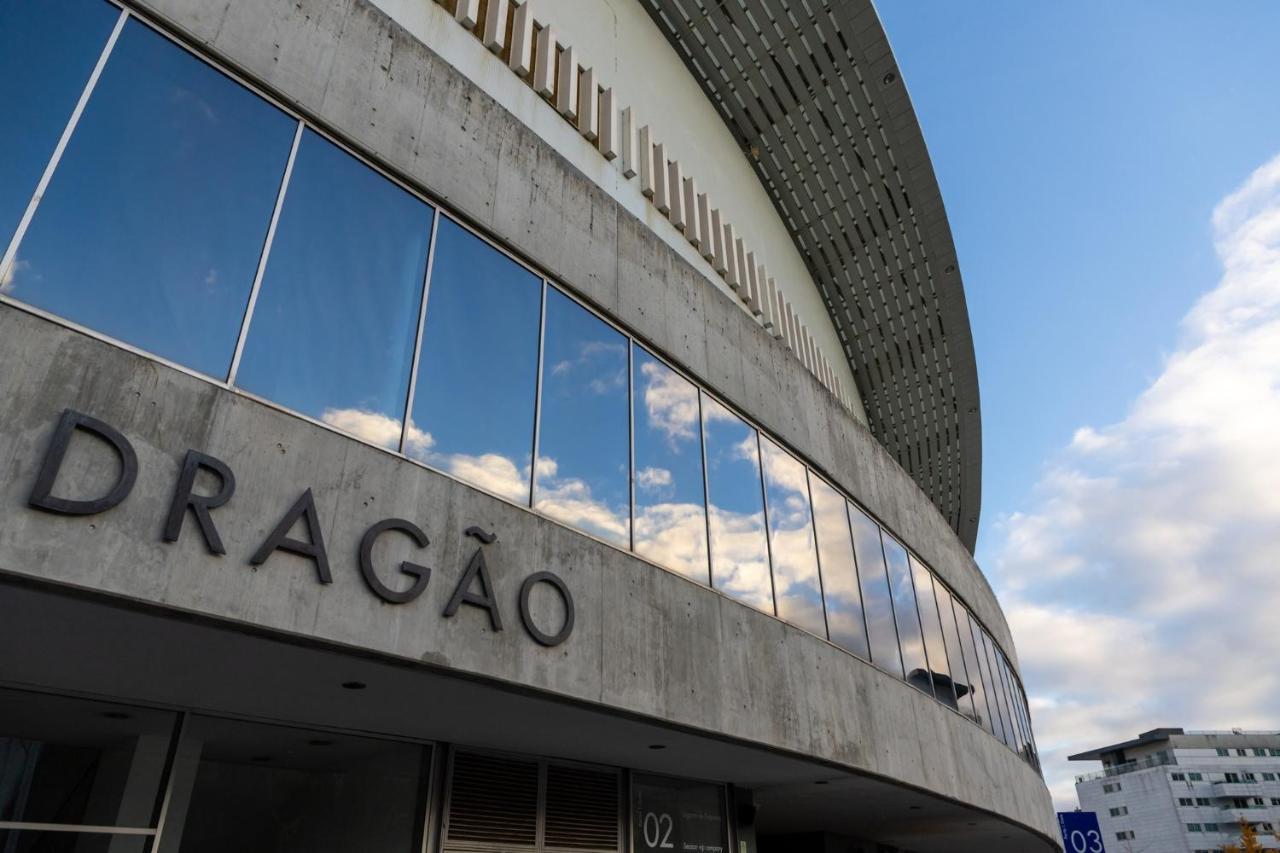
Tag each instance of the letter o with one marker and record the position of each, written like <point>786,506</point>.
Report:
<point>526,589</point>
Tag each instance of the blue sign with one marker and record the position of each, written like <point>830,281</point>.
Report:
<point>1080,832</point>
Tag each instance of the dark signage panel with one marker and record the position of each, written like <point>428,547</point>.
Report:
<point>677,815</point>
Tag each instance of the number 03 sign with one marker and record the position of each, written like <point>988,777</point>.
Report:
<point>1080,832</point>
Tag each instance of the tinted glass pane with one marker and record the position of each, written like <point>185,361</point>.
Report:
<point>962,676</point>
<point>677,814</point>
<point>910,640</point>
<point>997,690</point>
<point>269,788</point>
<point>1014,723</point>
<point>671,521</point>
<point>75,761</point>
<point>739,550</point>
<point>478,370</point>
<point>795,554</point>
<point>47,50</point>
<point>336,317</point>
<point>982,712</point>
<point>876,599</point>
<point>839,574</point>
<point>583,444</point>
<point>930,621</point>
<point>987,706</point>
<point>153,224</point>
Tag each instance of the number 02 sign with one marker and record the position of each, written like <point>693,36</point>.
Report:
<point>1080,832</point>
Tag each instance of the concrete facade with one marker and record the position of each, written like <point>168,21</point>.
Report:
<point>647,642</point>
<point>431,124</point>
<point>649,650</point>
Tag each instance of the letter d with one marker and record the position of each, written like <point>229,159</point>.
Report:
<point>41,493</point>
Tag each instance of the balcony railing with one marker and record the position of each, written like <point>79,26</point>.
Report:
<point>1156,760</point>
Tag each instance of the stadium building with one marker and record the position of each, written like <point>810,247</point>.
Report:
<point>488,426</point>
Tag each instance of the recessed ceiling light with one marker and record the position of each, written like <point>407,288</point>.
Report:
<point>354,685</point>
<point>889,78</point>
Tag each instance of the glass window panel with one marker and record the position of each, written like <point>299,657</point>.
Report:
<point>333,330</point>
<point>75,761</point>
<point>839,573</point>
<point>671,515</point>
<point>48,49</point>
<point>1014,720</point>
<point>992,710</point>
<point>910,639</point>
<point>583,459</point>
<point>997,690</point>
<point>153,224</point>
<point>1024,708</point>
<point>264,787</point>
<point>877,600</point>
<point>739,549</point>
<point>795,554</point>
<point>962,677</point>
<point>935,646</point>
<point>473,405</point>
<point>677,814</point>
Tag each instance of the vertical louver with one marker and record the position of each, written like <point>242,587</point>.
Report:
<point>581,810</point>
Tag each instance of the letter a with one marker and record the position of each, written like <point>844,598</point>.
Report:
<point>304,508</point>
<point>462,593</point>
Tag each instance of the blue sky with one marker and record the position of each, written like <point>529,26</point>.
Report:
<point>1083,149</point>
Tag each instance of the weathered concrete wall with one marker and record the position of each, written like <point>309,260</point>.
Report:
<point>345,64</point>
<point>647,641</point>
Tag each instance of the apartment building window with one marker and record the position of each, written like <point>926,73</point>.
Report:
<point>1196,777</point>
<point>1242,752</point>
<point>1185,801</point>
<point>1268,777</point>
<point>1119,811</point>
<point>1194,827</point>
<point>1112,788</point>
<point>1222,751</point>
<point>1274,753</point>
<point>1178,777</point>
<point>1261,753</point>
<point>1250,777</point>
<point>1125,835</point>
<point>1231,777</point>
<point>1203,801</point>
<point>1275,801</point>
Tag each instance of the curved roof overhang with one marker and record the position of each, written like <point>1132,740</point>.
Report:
<point>811,91</point>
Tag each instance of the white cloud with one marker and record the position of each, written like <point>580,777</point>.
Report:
<point>1143,588</point>
<point>11,275</point>
<point>378,428</point>
<point>670,402</point>
<point>652,478</point>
